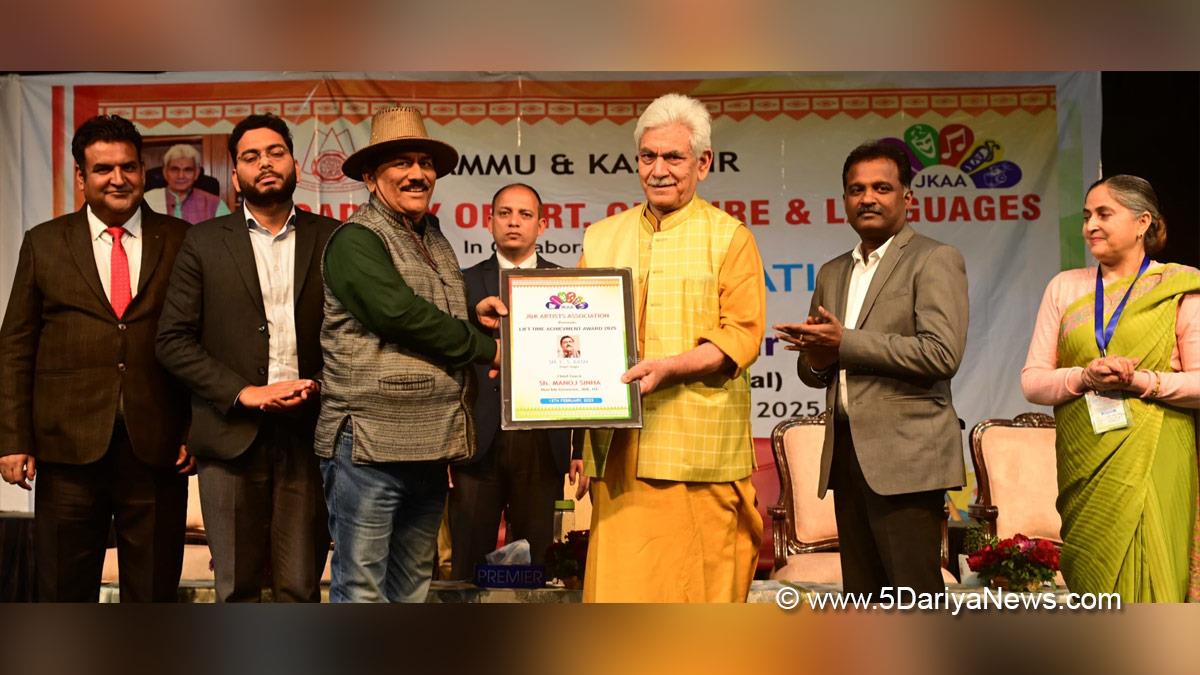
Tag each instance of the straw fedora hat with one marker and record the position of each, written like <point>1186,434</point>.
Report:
<point>395,130</point>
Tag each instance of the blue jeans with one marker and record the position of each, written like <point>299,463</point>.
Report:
<point>384,521</point>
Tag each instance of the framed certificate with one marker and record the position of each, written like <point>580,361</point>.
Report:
<point>568,337</point>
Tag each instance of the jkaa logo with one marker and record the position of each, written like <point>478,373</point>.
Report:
<point>955,146</point>
<point>566,300</point>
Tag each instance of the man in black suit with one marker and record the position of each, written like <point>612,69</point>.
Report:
<point>84,406</point>
<point>517,472</point>
<point>241,327</point>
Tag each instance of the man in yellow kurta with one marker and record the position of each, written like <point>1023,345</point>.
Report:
<point>673,515</point>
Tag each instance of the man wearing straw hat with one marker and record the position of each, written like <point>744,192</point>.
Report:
<point>398,345</point>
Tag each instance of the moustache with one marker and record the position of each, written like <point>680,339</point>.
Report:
<point>268,174</point>
<point>870,209</point>
<point>660,182</point>
<point>415,185</point>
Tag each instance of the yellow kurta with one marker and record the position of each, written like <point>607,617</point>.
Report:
<point>698,278</point>
<point>684,539</point>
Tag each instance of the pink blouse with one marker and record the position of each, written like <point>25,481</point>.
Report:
<point>1044,383</point>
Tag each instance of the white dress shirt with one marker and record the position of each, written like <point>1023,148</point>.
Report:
<point>529,263</point>
<point>275,260</point>
<point>860,280</point>
<point>102,246</point>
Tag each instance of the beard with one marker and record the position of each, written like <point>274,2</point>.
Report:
<point>271,196</point>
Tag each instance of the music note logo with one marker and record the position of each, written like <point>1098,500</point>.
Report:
<point>956,140</point>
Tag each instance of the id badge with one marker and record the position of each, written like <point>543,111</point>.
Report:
<point>1107,410</point>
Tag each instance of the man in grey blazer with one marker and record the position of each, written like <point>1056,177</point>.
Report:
<point>885,333</point>
<point>241,327</point>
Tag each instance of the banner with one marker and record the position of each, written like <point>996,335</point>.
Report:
<point>1000,162</point>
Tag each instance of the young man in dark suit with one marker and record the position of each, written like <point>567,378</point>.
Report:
<point>84,406</point>
<point>517,472</point>
<point>241,327</point>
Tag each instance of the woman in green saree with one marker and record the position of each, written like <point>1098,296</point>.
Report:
<point>1123,375</point>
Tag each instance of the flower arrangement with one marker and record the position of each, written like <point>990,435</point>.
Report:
<point>566,559</point>
<point>1016,564</point>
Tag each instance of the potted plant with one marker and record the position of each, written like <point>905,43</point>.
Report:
<point>1016,564</point>
<point>566,559</point>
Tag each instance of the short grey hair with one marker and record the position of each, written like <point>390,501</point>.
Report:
<point>677,108</point>
<point>181,151</point>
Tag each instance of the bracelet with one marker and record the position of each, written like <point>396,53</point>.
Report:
<point>1157,383</point>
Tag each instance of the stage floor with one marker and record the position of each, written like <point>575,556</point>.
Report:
<point>761,592</point>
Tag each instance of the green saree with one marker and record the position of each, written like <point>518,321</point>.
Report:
<point>1128,496</point>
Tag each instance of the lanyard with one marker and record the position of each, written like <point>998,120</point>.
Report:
<point>1104,334</point>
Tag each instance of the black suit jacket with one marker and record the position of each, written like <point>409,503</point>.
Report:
<point>67,361</point>
<point>213,333</point>
<point>483,280</point>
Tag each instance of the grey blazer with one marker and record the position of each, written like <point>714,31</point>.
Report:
<point>911,334</point>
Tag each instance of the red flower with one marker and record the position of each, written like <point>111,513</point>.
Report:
<point>1045,553</point>
<point>1017,562</point>
<point>1023,543</point>
<point>982,559</point>
<point>1005,546</point>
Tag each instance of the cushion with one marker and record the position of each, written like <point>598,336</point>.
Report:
<point>1024,481</point>
<point>813,568</point>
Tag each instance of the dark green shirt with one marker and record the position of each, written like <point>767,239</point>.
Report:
<point>360,273</point>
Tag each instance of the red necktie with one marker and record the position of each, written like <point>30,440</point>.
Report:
<point>118,290</point>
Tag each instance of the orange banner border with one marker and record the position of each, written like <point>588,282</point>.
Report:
<point>329,100</point>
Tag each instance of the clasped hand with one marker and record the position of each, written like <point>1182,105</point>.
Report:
<point>278,396</point>
<point>1107,373</point>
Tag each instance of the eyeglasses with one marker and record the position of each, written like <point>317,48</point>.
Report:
<point>273,152</point>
